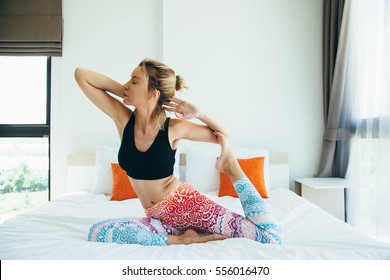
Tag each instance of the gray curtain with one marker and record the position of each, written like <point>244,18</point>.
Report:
<point>339,127</point>
<point>332,17</point>
<point>31,27</point>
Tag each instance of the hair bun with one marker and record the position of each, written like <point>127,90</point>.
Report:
<point>180,83</point>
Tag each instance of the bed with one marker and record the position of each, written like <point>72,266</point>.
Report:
<point>59,228</point>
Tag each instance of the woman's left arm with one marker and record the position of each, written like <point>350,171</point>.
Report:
<point>213,123</point>
<point>192,131</point>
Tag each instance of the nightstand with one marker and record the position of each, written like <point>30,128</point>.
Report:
<point>327,193</point>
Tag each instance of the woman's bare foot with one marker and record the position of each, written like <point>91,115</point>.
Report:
<point>191,236</point>
<point>227,162</point>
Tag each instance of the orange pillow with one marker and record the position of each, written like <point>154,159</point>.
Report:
<point>253,169</point>
<point>121,186</point>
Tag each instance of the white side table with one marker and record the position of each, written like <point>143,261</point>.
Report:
<point>327,193</point>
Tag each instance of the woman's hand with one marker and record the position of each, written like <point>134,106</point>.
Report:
<point>182,109</point>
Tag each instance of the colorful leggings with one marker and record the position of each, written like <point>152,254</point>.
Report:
<point>185,208</point>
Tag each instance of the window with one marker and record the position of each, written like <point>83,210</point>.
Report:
<point>369,72</point>
<point>24,133</point>
<point>368,205</point>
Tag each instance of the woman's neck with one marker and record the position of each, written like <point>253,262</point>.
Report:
<point>144,120</point>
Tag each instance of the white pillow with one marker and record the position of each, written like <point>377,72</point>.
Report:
<point>106,155</point>
<point>103,177</point>
<point>200,164</point>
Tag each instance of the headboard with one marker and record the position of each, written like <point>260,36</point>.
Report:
<point>81,170</point>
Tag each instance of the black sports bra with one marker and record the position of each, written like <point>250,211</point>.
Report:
<point>155,163</point>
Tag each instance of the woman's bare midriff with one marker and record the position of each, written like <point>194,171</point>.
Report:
<point>151,192</point>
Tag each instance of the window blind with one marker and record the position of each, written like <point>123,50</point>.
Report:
<point>31,27</point>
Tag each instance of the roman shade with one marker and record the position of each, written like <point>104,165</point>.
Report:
<point>31,27</point>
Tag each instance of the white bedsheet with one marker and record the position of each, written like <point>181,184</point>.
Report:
<point>58,230</point>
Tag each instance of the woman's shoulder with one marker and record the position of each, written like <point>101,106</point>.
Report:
<point>123,120</point>
<point>177,123</point>
<point>126,116</point>
<point>177,126</point>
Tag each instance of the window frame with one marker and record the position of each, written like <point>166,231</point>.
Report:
<point>34,130</point>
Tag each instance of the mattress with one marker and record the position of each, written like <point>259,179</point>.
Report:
<point>59,229</point>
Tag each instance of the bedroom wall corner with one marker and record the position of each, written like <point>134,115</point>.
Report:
<point>57,161</point>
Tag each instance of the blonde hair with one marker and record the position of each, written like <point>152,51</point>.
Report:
<point>162,78</point>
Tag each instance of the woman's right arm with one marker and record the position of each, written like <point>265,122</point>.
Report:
<point>95,86</point>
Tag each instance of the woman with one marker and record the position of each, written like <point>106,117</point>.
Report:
<point>176,212</point>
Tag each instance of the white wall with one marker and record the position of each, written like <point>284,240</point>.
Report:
<point>256,65</point>
<point>111,37</point>
<point>253,64</point>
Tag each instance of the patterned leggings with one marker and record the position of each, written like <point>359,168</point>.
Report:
<point>185,208</point>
